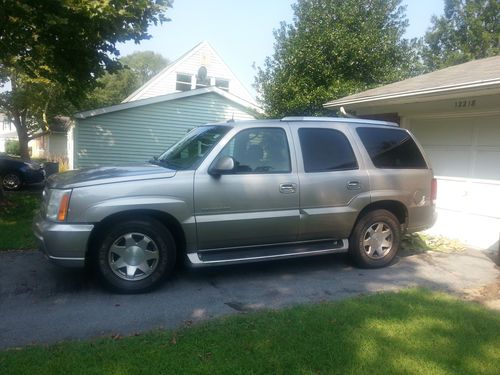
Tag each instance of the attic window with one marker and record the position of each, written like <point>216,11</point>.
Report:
<point>183,82</point>
<point>222,84</point>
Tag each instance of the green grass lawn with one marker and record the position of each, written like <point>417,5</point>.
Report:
<point>15,220</point>
<point>411,332</point>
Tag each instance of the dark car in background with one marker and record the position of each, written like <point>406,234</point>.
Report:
<point>15,172</point>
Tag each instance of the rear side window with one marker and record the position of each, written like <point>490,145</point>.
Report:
<point>391,148</point>
<point>326,150</point>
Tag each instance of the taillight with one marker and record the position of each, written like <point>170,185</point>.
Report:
<point>434,190</point>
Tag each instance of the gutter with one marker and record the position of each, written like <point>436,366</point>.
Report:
<point>422,92</point>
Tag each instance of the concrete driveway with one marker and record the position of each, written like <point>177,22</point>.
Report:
<point>41,303</point>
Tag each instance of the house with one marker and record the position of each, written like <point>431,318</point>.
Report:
<point>198,68</point>
<point>196,89</point>
<point>49,147</point>
<point>455,114</point>
<point>7,132</point>
<point>52,146</point>
<point>136,131</point>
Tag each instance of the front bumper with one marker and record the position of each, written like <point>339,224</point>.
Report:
<point>64,244</point>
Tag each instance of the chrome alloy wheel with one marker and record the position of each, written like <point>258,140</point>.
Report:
<point>11,181</point>
<point>133,256</point>
<point>378,240</point>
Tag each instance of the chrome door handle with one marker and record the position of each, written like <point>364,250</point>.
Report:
<point>353,185</point>
<point>288,188</point>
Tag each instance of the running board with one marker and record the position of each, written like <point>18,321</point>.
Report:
<point>263,253</point>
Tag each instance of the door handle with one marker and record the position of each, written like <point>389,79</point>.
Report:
<point>353,185</point>
<point>288,188</point>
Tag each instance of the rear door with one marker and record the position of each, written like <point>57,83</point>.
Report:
<point>333,184</point>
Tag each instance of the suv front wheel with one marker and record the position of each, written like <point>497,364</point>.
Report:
<point>136,255</point>
<point>375,240</point>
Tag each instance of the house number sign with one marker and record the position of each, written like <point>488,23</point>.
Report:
<point>465,103</point>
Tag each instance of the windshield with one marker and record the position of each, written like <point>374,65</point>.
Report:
<point>192,149</point>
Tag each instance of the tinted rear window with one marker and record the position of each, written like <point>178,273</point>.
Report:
<point>391,148</point>
<point>326,150</point>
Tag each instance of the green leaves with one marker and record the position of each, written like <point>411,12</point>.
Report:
<point>136,70</point>
<point>469,29</point>
<point>332,49</point>
<point>53,52</point>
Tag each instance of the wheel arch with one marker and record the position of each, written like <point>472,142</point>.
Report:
<point>397,208</point>
<point>169,221</point>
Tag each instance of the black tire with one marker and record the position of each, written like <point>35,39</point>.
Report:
<point>142,230</point>
<point>370,239</point>
<point>12,181</point>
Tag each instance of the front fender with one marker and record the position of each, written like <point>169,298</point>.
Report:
<point>173,206</point>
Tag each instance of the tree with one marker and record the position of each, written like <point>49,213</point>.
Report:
<point>137,69</point>
<point>468,30</point>
<point>55,49</point>
<point>144,64</point>
<point>334,48</point>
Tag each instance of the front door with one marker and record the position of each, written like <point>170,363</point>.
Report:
<point>255,203</point>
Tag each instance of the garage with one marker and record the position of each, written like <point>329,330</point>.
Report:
<point>455,115</point>
<point>465,156</point>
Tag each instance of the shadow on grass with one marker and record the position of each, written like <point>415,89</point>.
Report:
<point>411,332</point>
<point>16,218</point>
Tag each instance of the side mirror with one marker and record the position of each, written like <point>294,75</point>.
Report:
<point>221,166</point>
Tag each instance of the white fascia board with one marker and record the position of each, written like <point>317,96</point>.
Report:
<point>415,93</point>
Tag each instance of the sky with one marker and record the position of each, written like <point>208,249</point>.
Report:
<point>241,31</point>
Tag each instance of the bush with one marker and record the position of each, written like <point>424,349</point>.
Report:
<point>12,147</point>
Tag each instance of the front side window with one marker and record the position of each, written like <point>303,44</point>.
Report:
<point>326,150</point>
<point>190,151</point>
<point>391,148</point>
<point>260,150</point>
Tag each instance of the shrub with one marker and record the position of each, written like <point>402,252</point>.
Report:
<point>12,147</point>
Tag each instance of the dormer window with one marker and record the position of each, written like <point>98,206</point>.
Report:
<point>183,82</point>
<point>186,82</point>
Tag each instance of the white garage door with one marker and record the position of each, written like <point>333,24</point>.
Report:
<point>465,156</point>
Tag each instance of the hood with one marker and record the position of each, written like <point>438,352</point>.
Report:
<point>18,160</point>
<point>108,175</point>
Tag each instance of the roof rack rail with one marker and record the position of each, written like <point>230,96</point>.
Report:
<point>337,119</point>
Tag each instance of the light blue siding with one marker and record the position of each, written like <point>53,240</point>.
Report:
<point>136,134</point>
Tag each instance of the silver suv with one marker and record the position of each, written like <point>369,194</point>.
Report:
<point>241,192</point>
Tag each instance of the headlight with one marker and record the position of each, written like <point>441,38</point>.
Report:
<point>57,209</point>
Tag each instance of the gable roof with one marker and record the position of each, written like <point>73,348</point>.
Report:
<point>470,75</point>
<point>157,83</point>
<point>168,97</point>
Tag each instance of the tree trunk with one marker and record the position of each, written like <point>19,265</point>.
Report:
<point>20,123</point>
<point>22,135</point>
<point>23,146</point>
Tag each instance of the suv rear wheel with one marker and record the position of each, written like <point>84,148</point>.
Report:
<point>136,255</point>
<point>375,239</point>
